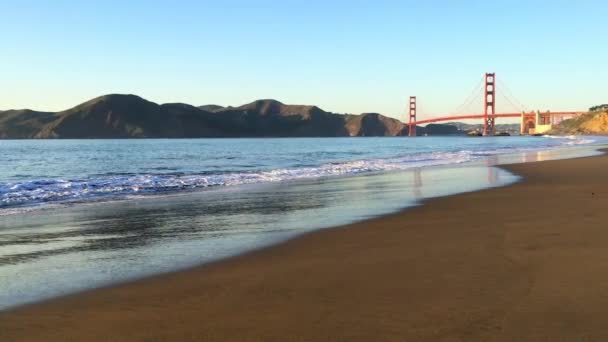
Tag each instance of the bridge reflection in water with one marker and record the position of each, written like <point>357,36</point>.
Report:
<point>433,182</point>
<point>424,180</point>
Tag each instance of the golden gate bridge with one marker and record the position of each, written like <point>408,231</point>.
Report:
<point>530,122</point>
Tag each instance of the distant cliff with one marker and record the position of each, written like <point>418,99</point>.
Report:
<point>595,122</point>
<point>130,116</point>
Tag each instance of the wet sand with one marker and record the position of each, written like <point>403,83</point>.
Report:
<point>524,262</point>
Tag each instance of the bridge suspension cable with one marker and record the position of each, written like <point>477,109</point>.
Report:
<point>473,96</point>
<point>510,97</point>
<point>513,106</point>
<point>474,104</point>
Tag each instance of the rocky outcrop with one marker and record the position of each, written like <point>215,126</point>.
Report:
<point>590,123</point>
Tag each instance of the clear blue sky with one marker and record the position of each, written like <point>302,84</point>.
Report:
<point>345,56</point>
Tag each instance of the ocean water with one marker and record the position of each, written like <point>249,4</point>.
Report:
<point>78,214</point>
<point>38,173</point>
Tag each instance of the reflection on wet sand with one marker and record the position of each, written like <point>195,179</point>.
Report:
<point>493,174</point>
<point>536,156</point>
<point>493,177</point>
<point>134,224</point>
<point>417,185</point>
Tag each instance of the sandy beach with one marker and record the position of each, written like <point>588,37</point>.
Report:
<point>527,262</point>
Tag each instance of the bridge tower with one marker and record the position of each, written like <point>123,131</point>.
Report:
<point>412,122</point>
<point>489,104</point>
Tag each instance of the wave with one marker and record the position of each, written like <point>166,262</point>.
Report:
<point>117,185</point>
<point>571,139</point>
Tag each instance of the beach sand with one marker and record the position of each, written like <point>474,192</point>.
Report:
<point>527,262</point>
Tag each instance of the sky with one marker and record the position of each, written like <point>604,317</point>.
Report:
<point>344,56</point>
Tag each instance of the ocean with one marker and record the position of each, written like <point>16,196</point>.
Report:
<point>80,214</point>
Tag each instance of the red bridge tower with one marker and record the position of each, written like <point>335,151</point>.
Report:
<point>489,104</point>
<point>412,122</point>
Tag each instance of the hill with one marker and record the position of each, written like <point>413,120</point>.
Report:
<point>23,123</point>
<point>211,108</point>
<point>130,116</point>
<point>590,123</point>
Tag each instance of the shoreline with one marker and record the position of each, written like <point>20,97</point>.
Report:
<point>133,308</point>
<point>411,194</point>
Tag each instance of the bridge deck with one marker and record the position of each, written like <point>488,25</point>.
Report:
<point>481,116</point>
